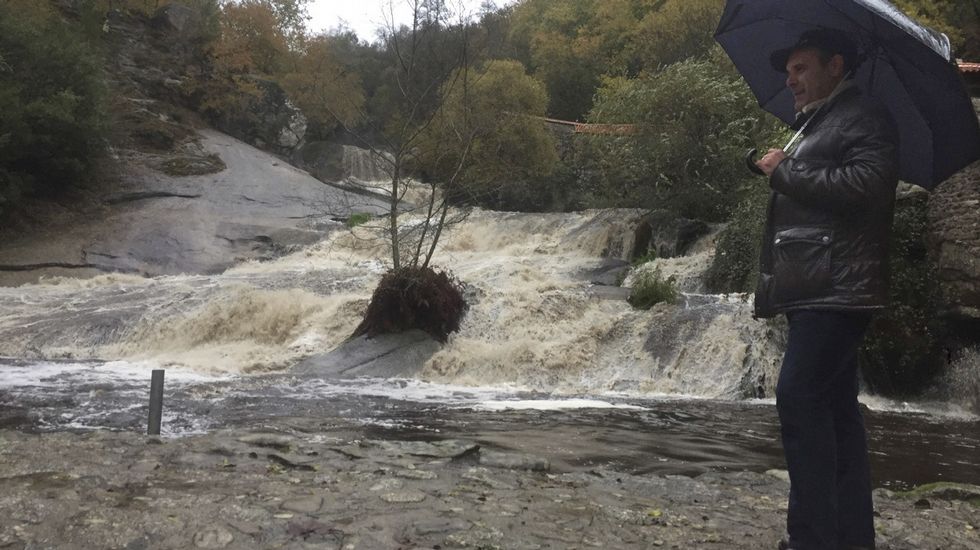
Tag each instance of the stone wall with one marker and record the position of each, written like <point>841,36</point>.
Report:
<point>954,239</point>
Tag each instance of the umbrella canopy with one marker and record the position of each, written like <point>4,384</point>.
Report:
<point>908,67</point>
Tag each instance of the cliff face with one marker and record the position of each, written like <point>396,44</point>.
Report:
<point>954,239</point>
<point>954,242</point>
<point>174,195</point>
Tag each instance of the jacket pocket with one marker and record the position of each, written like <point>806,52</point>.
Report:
<point>801,264</point>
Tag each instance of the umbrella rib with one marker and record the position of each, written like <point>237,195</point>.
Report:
<point>758,22</point>
<point>856,23</point>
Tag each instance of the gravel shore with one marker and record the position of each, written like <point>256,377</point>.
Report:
<point>287,487</point>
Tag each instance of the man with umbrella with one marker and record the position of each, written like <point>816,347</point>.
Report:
<point>875,97</point>
<point>824,264</point>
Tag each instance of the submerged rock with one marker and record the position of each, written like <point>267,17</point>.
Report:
<point>213,537</point>
<point>514,461</point>
<point>946,491</point>
<point>405,497</point>
<point>305,505</point>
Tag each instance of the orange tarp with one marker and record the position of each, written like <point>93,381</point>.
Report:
<point>969,66</point>
<point>585,128</point>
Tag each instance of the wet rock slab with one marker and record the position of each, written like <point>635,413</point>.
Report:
<point>311,490</point>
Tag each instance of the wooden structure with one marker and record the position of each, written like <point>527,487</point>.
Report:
<point>971,75</point>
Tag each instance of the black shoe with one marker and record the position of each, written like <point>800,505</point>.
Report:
<point>784,545</point>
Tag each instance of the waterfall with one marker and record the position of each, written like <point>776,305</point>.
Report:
<point>536,322</point>
<point>536,319</point>
<point>362,165</point>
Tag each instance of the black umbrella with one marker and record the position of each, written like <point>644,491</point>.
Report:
<point>908,67</point>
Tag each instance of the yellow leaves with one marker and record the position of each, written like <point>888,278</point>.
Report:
<point>251,38</point>
<point>485,131</point>
<point>322,87</point>
<point>573,43</point>
<point>31,9</point>
<point>677,31</point>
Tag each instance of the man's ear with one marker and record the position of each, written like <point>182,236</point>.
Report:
<point>836,65</point>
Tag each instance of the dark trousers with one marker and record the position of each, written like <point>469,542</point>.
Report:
<point>823,432</point>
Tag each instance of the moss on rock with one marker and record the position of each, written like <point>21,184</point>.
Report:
<point>945,490</point>
<point>192,165</point>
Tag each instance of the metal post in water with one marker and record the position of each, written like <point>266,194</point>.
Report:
<point>156,403</point>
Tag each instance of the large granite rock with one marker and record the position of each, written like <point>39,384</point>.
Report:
<point>157,224</point>
<point>178,17</point>
<point>954,238</point>
<point>665,235</point>
<point>398,355</point>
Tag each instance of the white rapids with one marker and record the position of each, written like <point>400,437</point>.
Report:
<point>535,319</point>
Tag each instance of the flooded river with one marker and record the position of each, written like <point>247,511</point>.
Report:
<point>653,434</point>
<point>550,359</point>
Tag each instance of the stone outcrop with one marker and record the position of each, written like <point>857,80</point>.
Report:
<point>399,355</point>
<point>664,235</point>
<point>177,17</point>
<point>176,196</point>
<point>954,239</point>
<point>154,223</point>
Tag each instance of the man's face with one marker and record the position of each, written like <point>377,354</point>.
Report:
<point>809,78</point>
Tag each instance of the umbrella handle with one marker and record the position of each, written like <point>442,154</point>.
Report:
<point>750,162</point>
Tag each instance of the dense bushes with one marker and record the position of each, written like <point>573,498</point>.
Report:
<point>650,287</point>
<point>571,44</point>
<point>903,349</point>
<point>695,120</point>
<point>52,92</point>
<point>484,144</point>
<point>735,266</point>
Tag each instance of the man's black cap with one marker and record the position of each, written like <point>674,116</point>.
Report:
<point>829,41</point>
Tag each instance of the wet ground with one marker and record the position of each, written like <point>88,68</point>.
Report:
<point>661,436</point>
<point>322,483</point>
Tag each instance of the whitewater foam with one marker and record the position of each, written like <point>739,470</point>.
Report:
<point>534,320</point>
<point>244,329</point>
<point>552,405</point>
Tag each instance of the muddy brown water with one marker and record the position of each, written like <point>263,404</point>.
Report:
<point>667,435</point>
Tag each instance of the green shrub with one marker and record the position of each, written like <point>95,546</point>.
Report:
<point>484,145</point>
<point>52,92</point>
<point>695,119</point>
<point>735,266</point>
<point>646,258</point>
<point>650,288</point>
<point>902,352</point>
<point>193,165</point>
<point>357,219</point>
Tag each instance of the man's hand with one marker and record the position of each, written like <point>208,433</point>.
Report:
<point>770,161</point>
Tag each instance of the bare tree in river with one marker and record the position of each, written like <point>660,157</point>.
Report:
<point>429,57</point>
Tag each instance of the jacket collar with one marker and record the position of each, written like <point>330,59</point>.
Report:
<point>823,105</point>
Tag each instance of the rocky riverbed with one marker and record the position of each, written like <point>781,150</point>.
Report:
<point>303,482</point>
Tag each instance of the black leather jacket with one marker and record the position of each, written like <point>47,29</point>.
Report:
<point>825,243</point>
